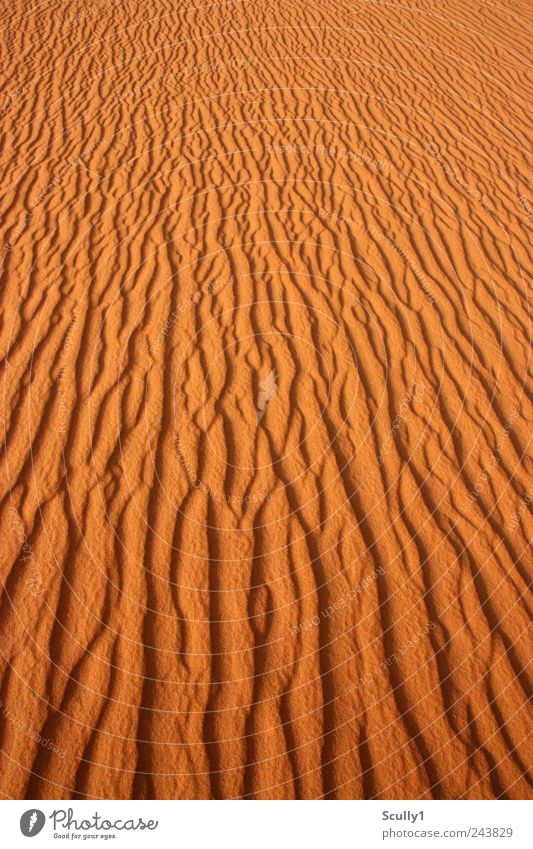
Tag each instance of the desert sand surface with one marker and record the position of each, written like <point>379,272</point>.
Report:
<point>265,327</point>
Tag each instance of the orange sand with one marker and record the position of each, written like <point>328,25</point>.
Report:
<point>264,349</point>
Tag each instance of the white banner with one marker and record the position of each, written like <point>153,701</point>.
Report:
<point>268,825</point>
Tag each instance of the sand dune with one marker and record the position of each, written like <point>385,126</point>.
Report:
<point>264,350</point>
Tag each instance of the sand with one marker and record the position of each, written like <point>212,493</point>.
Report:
<point>264,350</point>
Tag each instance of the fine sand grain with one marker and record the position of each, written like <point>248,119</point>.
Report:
<point>264,348</point>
